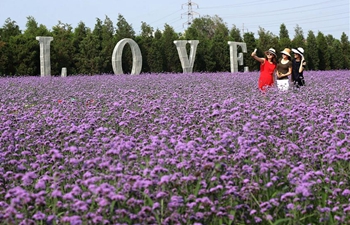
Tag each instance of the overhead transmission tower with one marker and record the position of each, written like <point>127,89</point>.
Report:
<point>244,29</point>
<point>190,13</point>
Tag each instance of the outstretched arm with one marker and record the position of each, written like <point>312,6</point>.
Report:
<point>260,60</point>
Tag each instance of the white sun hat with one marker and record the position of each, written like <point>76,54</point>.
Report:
<point>299,51</point>
<point>272,51</point>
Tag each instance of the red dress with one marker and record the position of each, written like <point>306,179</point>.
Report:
<point>266,74</point>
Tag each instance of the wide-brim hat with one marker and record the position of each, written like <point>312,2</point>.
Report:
<point>286,51</point>
<point>299,51</point>
<point>272,51</point>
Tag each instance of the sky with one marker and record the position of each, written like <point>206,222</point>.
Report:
<point>326,16</point>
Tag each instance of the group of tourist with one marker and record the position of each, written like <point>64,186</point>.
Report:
<point>272,70</point>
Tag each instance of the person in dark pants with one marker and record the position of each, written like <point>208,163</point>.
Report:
<point>298,67</point>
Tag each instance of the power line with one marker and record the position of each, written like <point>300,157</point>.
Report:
<point>280,12</point>
<point>307,20</point>
<point>256,3</point>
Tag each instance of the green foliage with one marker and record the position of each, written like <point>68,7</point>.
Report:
<point>171,59</point>
<point>323,52</point>
<point>25,52</point>
<point>125,30</point>
<point>345,45</point>
<point>204,26</point>
<point>85,51</point>
<point>79,35</point>
<point>298,39</point>
<point>155,55</point>
<point>89,53</point>
<point>311,51</point>
<point>283,31</point>
<point>62,49</point>
<point>145,43</point>
<point>266,40</point>
<point>336,57</point>
<point>107,45</point>
<point>235,34</point>
<point>10,29</point>
<point>284,40</point>
<point>249,39</point>
<point>220,48</point>
<point>204,56</point>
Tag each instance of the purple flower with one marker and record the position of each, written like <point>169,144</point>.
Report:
<point>303,189</point>
<point>40,184</point>
<point>287,195</point>
<point>175,201</point>
<point>346,192</point>
<point>161,194</point>
<point>165,179</point>
<point>290,206</point>
<point>68,196</point>
<point>56,193</point>
<point>39,216</point>
<point>269,217</point>
<point>102,202</point>
<point>73,220</point>
<point>252,212</point>
<point>28,178</point>
<point>257,219</point>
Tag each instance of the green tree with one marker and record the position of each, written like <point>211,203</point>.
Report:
<point>62,50</point>
<point>125,30</point>
<point>95,49</point>
<point>284,40</point>
<point>219,47</point>
<point>203,60</point>
<point>298,40</point>
<point>331,47</point>
<point>171,58</point>
<point>323,52</point>
<point>345,46</point>
<point>202,30</point>
<point>107,45</point>
<point>155,54</point>
<point>235,34</point>
<point>267,40</point>
<point>9,29</point>
<point>311,52</point>
<point>204,27</point>
<point>80,33</point>
<point>145,43</point>
<point>26,49</point>
<point>251,42</point>
<point>336,57</point>
<point>89,55</point>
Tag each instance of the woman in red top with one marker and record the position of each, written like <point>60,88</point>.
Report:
<point>267,68</point>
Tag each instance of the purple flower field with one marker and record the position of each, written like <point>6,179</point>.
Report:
<point>174,149</point>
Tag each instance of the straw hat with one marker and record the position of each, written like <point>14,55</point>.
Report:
<point>272,51</point>
<point>299,51</point>
<point>286,51</point>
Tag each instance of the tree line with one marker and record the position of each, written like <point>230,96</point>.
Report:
<point>83,50</point>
